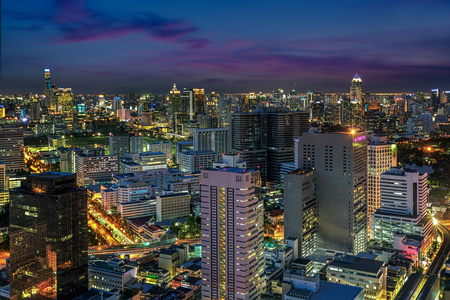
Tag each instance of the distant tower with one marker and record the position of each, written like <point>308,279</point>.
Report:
<point>356,88</point>
<point>48,89</point>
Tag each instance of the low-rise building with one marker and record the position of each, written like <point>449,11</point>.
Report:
<point>153,160</point>
<point>172,206</point>
<point>368,274</point>
<point>298,286</point>
<point>136,209</point>
<point>112,275</point>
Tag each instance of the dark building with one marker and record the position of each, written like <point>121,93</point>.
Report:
<point>265,139</point>
<point>48,237</point>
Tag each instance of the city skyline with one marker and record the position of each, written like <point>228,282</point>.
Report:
<point>105,47</point>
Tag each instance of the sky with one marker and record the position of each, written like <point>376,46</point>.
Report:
<point>145,46</point>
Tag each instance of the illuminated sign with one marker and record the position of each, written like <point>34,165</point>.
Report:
<point>360,138</point>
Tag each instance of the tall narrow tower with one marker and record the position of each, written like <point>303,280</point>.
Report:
<point>356,88</point>
<point>232,234</point>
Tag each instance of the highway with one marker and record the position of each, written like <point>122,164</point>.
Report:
<point>442,254</point>
<point>118,235</point>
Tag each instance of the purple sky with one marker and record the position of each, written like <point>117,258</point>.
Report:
<point>226,46</point>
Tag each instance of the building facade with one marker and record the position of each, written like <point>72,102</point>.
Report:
<point>339,160</point>
<point>91,167</point>
<point>381,156</point>
<point>49,238</point>
<point>232,234</point>
<point>300,210</point>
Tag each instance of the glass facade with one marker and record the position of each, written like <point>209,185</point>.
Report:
<point>48,241</point>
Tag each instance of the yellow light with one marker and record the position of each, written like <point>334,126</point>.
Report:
<point>353,131</point>
<point>435,222</point>
<point>429,148</point>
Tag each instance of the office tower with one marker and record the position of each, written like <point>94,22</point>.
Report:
<point>403,206</point>
<point>172,206</point>
<point>4,186</point>
<point>215,139</point>
<point>246,140</point>
<point>356,89</point>
<point>381,156</point>
<point>300,210</point>
<point>187,104</point>
<point>49,238</point>
<point>92,168</point>
<point>11,148</point>
<point>49,100</point>
<point>119,144</point>
<point>279,128</point>
<point>232,234</point>
<point>265,139</point>
<point>174,102</point>
<point>211,105</point>
<point>339,160</point>
<point>199,101</point>
<point>64,100</point>
<point>35,110</point>
<point>435,99</point>
<point>136,144</point>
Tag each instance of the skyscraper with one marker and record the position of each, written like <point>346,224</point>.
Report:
<point>4,193</point>
<point>49,242</point>
<point>339,160</point>
<point>119,144</point>
<point>11,148</point>
<point>267,136</point>
<point>300,210</point>
<point>356,89</point>
<point>215,139</point>
<point>381,156</point>
<point>232,234</point>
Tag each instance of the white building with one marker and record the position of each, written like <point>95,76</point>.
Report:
<point>135,190</point>
<point>138,208</point>
<point>153,160</point>
<point>194,161</point>
<point>109,197</point>
<point>110,275</point>
<point>404,196</point>
<point>381,156</point>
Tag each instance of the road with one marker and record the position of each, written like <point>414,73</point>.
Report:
<point>137,248</point>
<point>442,254</point>
<point>117,233</point>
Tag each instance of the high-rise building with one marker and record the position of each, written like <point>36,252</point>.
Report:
<point>136,144</point>
<point>99,168</point>
<point>403,207</point>
<point>4,186</point>
<point>49,237</point>
<point>11,148</point>
<point>232,234</point>
<point>300,210</point>
<point>339,160</point>
<point>381,156</point>
<point>356,89</point>
<point>267,136</point>
<point>119,144</point>
<point>64,100</point>
<point>35,110</point>
<point>215,139</point>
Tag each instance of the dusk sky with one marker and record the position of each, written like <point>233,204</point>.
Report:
<point>225,46</point>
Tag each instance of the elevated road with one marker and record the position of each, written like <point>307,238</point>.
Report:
<point>442,254</point>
